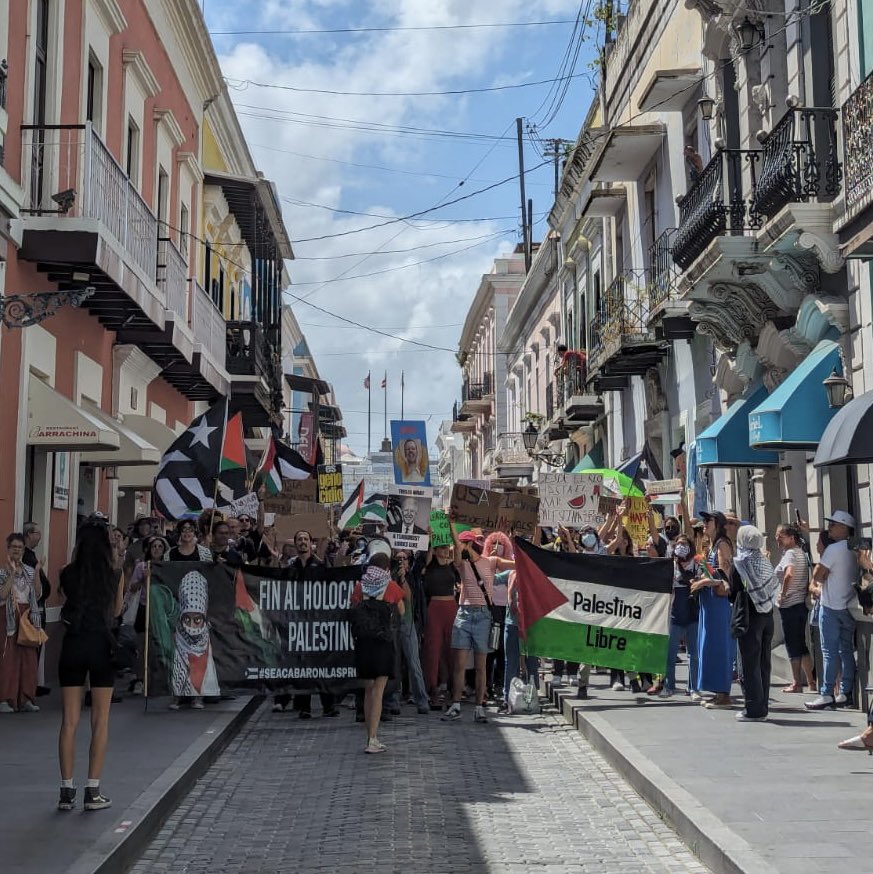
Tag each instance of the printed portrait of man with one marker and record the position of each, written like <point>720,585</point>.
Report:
<point>406,523</point>
<point>194,671</point>
<point>411,462</point>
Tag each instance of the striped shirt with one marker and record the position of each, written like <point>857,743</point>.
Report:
<point>795,558</point>
<point>471,592</point>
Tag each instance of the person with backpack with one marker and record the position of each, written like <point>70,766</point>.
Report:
<point>375,601</point>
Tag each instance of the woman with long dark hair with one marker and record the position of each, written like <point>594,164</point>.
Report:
<point>94,592</point>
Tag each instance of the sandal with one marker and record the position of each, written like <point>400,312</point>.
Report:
<point>792,688</point>
<point>859,742</point>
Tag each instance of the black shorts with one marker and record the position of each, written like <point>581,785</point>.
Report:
<point>87,655</point>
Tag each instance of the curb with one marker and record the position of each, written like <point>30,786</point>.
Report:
<point>717,846</point>
<point>120,848</point>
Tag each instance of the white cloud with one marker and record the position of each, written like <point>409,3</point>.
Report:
<point>405,300</point>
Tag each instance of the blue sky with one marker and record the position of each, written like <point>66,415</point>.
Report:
<point>328,168</point>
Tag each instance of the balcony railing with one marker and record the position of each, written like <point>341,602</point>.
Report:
<point>858,147</point>
<point>662,276</point>
<point>172,275</point>
<point>4,75</point>
<point>624,313</point>
<point>487,383</point>
<point>740,189</point>
<point>69,172</point>
<point>247,350</point>
<point>208,324</point>
<point>571,379</point>
<point>473,391</point>
<point>800,161</point>
<point>510,449</point>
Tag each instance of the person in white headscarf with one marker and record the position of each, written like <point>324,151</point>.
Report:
<point>194,674</point>
<point>754,574</point>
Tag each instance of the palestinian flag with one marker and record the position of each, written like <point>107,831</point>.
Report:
<point>233,470</point>
<point>351,508</point>
<point>595,609</point>
<point>280,462</point>
<point>375,509</point>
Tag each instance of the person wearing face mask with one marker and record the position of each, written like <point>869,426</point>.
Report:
<point>193,675</point>
<point>683,616</point>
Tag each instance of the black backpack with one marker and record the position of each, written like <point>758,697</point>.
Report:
<point>371,619</point>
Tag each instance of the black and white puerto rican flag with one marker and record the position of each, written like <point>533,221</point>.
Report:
<point>186,481</point>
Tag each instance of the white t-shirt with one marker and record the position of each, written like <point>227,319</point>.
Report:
<point>836,591</point>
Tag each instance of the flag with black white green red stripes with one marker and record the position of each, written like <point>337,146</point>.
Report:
<point>606,610</point>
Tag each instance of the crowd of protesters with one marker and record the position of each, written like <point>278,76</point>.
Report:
<point>449,623</point>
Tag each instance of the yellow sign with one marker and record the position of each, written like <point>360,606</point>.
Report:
<point>330,484</point>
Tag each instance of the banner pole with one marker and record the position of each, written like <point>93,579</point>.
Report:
<point>145,678</point>
<point>402,390</point>
<point>385,395</point>
<point>369,415</point>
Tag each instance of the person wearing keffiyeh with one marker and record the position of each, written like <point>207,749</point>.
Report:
<point>754,574</point>
<point>194,675</point>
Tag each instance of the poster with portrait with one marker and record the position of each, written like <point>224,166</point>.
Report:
<point>409,517</point>
<point>409,447</point>
<point>61,481</point>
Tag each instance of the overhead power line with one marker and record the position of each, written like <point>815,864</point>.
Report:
<point>390,29</point>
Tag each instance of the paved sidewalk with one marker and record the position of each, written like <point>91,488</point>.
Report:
<point>748,797</point>
<point>150,754</point>
<point>520,794</point>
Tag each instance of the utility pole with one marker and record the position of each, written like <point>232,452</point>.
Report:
<point>555,150</point>
<point>525,226</point>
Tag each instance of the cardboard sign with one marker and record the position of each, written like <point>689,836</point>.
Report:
<point>247,505</point>
<point>295,493</point>
<point>330,484</point>
<point>440,530</point>
<point>519,513</point>
<point>571,499</point>
<point>317,523</point>
<point>664,487</point>
<point>636,521</point>
<point>478,508</point>
<point>408,517</point>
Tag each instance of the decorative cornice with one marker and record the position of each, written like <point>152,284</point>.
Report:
<point>139,68</point>
<point>111,13</point>
<point>166,118</point>
<point>728,378</point>
<point>825,247</point>
<point>734,313</point>
<point>189,159</point>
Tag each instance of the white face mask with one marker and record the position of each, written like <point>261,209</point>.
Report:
<point>589,540</point>
<point>682,551</point>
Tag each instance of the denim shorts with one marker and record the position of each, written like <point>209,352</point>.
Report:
<point>471,629</point>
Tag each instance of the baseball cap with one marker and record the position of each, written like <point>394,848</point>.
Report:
<point>471,537</point>
<point>730,516</point>
<point>841,517</point>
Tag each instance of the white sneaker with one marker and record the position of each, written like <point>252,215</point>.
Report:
<point>277,708</point>
<point>452,714</point>
<point>479,715</point>
<point>822,702</point>
<point>743,717</point>
<point>573,681</point>
<point>617,687</point>
<point>696,697</point>
<point>29,707</point>
<point>6,707</point>
<point>374,746</point>
<point>197,703</point>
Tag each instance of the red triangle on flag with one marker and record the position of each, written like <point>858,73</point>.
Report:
<point>537,594</point>
<point>233,450</point>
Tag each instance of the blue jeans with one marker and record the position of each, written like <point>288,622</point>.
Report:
<point>837,629</point>
<point>676,633</point>
<point>409,644</point>
<point>511,645</point>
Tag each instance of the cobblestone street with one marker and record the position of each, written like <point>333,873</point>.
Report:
<point>520,793</point>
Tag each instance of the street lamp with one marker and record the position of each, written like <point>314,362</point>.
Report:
<point>747,31</point>
<point>837,388</point>
<point>706,105</point>
<point>530,435</point>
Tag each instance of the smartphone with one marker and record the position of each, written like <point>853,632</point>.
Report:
<point>860,543</point>
<point>797,515</point>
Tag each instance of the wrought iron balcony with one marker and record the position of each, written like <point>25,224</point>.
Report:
<point>487,383</point>
<point>799,161</point>
<point>4,73</point>
<point>248,353</point>
<point>475,396</point>
<point>620,339</point>
<point>472,391</point>
<point>858,148</point>
<point>662,272</point>
<point>510,450</point>
<point>462,422</point>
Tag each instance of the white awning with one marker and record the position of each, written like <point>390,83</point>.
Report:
<point>133,449</point>
<point>56,423</point>
<point>142,476</point>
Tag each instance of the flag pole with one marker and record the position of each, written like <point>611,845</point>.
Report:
<point>369,390</point>
<point>402,389</point>
<point>385,391</point>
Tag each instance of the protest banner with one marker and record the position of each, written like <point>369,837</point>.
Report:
<point>330,484</point>
<point>636,520</point>
<point>316,522</point>
<point>408,517</point>
<point>307,437</point>
<point>571,499</point>
<point>595,609</point>
<point>409,448</point>
<point>519,513</point>
<point>294,492</point>
<point>475,507</point>
<point>247,505</point>
<point>252,625</point>
<point>440,531</point>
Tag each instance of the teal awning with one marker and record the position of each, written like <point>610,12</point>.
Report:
<point>725,443</point>
<point>796,414</point>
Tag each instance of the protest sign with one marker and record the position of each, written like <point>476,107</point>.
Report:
<point>478,508</point>
<point>307,437</point>
<point>636,520</point>
<point>663,487</point>
<point>519,513</point>
<point>247,505</point>
<point>571,499</point>
<point>261,624</point>
<point>440,530</point>
<point>294,493</point>
<point>409,447</point>
<point>330,484</point>
<point>408,517</point>
<point>316,522</point>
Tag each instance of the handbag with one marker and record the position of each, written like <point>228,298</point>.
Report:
<point>740,610</point>
<point>496,631</point>
<point>523,697</point>
<point>29,634</point>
